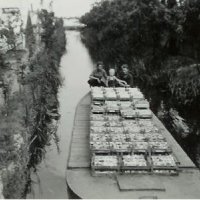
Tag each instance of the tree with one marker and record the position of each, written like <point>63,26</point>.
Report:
<point>47,20</point>
<point>171,3</point>
<point>30,38</point>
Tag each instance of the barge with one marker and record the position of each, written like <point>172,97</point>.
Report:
<point>120,150</point>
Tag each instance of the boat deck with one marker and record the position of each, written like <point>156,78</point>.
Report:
<point>84,185</point>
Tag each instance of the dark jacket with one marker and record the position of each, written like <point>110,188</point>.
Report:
<point>128,78</point>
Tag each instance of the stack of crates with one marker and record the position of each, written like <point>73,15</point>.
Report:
<point>163,164</point>
<point>123,137</point>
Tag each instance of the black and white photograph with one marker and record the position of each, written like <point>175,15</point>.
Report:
<point>99,99</point>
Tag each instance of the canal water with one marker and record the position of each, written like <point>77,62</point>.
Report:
<point>76,65</point>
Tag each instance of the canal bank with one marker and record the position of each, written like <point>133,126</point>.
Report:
<point>76,65</point>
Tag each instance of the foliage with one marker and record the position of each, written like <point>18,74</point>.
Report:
<point>14,181</point>
<point>59,38</point>
<point>30,38</point>
<point>185,84</point>
<point>32,112</point>
<point>42,84</point>
<point>14,155</point>
<point>146,35</point>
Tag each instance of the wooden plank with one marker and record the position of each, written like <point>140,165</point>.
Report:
<point>140,183</point>
<point>81,130</point>
<point>83,118</point>
<point>80,147</point>
<point>82,123</point>
<point>78,164</point>
<point>78,136</point>
<point>76,143</point>
<point>184,186</point>
<point>80,140</point>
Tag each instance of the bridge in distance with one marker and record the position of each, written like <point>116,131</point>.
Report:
<point>72,23</point>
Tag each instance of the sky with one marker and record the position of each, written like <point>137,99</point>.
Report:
<point>62,8</point>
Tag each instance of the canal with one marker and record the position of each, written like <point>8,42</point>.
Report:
<point>76,65</point>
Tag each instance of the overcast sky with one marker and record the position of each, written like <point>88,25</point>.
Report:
<point>65,8</point>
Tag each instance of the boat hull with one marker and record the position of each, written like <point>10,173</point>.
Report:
<point>80,180</point>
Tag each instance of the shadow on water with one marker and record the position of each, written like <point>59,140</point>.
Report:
<point>184,125</point>
<point>76,65</point>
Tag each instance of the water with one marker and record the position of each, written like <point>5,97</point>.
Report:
<point>161,104</point>
<point>76,65</point>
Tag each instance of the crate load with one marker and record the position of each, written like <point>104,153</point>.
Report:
<point>113,117</point>
<point>94,129</point>
<point>110,94</point>
<point>128,113</point>
<point>132,129</point>
<point>140,146</point>
<point>104,164</point>
<point>125,104</point>
<point>159,146</point>
<point>144,113</point>
<point>137,137</point>
<point>100,147</point>
<point>98,123</point>
<point>155,137</point>
<point>147,125</point>
<point>121,89</point>
<point>123,95</point>
<point>123,135</point>
<point>114,123</point>
<point>121,147</point>
<point>112,106</point>
<point>163,161</point>
<point>118,138</point>
<point>149,129</point>
<point>141,104</point>
<point>97,117</point>
<point>97,93</point>
<point>99,137</point>
<point>135,93</point>
<point>164,164</point>
<point>134,162</point>
<point>115,130</point>
<point>98,109</point>
<point>129,123</point>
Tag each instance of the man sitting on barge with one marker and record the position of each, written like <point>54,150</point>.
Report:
<point>98,77</point>
<point>125,75</point>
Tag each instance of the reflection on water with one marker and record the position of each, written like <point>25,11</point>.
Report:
<point>162,104</point>
<point>76,66</point>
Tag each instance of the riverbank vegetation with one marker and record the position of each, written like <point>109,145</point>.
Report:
<point>30,114</point>
<point>158,39</point>
<point>42,83</point>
